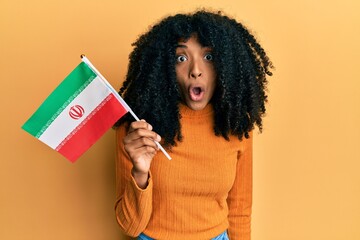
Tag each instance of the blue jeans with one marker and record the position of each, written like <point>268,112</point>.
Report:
<point>222,236</point>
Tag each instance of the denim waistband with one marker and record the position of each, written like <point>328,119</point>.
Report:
<point>222,236</point>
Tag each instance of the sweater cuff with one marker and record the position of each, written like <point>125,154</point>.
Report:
<point>136,207</point>
<point>148,186</point>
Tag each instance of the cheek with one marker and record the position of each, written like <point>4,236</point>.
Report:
<point>180,82</point>
<point>180,77</point>
<point>179,69</point>
<point>212,79</point>
<point>212,88</point>
<point>182,87</point>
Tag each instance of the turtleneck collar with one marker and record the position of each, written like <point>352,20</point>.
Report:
<point>187,112</point>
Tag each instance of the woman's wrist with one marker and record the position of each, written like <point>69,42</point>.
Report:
<point>141,178</point>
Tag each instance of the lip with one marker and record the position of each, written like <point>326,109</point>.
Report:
<point>193,95</point>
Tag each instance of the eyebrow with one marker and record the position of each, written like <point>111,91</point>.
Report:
<point>181,46</point>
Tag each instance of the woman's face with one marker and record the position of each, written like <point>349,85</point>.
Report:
<point>195,73</point>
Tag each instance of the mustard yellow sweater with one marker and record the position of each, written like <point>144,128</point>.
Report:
<point>205,189</point>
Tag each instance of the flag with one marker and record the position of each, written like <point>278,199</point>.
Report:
<point>77,113</point>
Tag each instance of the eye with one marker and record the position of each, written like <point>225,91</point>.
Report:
<point>208,57</point>
<point>181,58</point>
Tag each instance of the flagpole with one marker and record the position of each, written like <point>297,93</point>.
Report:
<point>87,62</point>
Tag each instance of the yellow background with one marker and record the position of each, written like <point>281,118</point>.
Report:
<point>306,163</point>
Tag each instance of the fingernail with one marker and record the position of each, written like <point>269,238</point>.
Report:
<point>150,127</point>
<point>158,138</point>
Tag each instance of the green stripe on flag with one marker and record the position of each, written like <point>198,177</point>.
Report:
<point>59,99</point>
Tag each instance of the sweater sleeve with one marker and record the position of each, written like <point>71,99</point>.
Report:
<point>133,205</point>
<point>240,196</point>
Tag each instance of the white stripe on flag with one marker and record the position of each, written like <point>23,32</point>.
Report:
<point>89,99</point>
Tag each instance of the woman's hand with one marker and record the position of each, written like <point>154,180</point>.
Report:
<point>139,144</point>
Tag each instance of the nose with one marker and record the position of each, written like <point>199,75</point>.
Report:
<point>195,70</point>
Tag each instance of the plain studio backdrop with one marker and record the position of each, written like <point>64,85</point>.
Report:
<point>306,162</point>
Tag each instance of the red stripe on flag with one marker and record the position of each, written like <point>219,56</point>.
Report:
<point>98,122</point>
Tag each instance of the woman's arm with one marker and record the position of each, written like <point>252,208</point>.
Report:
<point>133,178</point>
<point>240,196</point>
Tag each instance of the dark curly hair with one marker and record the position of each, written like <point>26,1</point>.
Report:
<point>241,64</point>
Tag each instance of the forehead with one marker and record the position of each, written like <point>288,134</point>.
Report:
<point>192,42</point>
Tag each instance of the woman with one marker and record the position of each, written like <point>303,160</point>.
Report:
<point>199,81</point>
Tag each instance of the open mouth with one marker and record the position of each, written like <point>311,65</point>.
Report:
<point>196,93</point>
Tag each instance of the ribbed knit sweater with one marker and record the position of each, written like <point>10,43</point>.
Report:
<point>204,190</point>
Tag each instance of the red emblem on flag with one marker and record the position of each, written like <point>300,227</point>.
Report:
<point>76,112</point>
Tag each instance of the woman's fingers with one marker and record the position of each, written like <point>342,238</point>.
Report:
<point>140,124</point>
<point>142,152</point>
<point>141,133</point>
<point>140,140</point>
<point>141,129</point>
<point>140,143</point>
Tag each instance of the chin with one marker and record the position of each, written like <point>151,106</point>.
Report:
<point>196,106</point>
